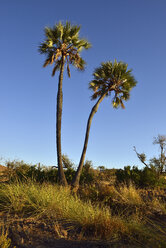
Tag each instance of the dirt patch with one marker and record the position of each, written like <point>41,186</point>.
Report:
<point>30,233</point>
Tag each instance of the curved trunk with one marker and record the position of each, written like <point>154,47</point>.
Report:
<point>75,182</point>
<point>61,175</point>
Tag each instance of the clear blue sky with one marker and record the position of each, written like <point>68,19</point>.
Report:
<point>128,30</point>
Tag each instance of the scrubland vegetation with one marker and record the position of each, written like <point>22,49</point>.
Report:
<point>124,208</point>
<point>105,207</point>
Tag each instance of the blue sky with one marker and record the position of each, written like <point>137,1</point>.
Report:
<point>128,30</point>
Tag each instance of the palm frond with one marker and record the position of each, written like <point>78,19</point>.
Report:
<point>121,104</point>
<point>56,67</point>
<point>74,31</point>
<point>52,59</point>
<point>58,54</point>
<point>113,77</point>
<point>47,62</point>
<point>80,64</point>
<point>63,40</point>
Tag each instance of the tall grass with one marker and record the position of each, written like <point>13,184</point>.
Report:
<point>57,204</point>
<point>129,194</point>
<point>5,241</point>
<point>54,202</point>
<point>125,196</point>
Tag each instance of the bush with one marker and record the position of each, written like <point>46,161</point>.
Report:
<point>128,175</point>
<point>147,177</point>
<point>21,171</point>
<point>87,175</point>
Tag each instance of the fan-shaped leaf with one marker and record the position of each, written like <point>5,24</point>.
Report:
<point>63,39</point>
<point>52,59</point>
<point>56,67</point>
<point>46,62</point>
<point>122,105</point>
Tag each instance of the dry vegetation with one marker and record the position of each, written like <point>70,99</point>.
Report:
<point>121,216</point>
<point>36,212</point>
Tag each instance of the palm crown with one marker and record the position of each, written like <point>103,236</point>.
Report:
<point>113,77</point>
<point>63,41</point>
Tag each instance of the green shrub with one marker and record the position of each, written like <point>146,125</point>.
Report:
<point>147,177</point>
<point>87,175</point>
<point>21,171</point>
<point>128,175</point>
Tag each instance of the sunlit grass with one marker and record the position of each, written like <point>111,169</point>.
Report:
<point>91,220</point>
<point>129,194</point>
<point>57,203</point>
<point>5,241</point>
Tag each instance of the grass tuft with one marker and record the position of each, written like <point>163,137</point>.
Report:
<point>57,203</point>
<point>5,241</point>
<point>129,194</point>
<point>83,218</point>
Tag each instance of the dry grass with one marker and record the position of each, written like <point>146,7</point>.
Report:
<point>57,203</point>
<point>5,242</point>
<point>129,195</point>
<point>90,220</point>
<point>124,197</point>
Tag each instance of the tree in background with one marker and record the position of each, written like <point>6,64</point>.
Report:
<point>161,141</point>
<point>67,163</point>
<point>62,46</point>
<point>109,78</point>
<point>158,163</point>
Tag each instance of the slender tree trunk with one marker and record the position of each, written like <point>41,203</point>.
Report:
<point>61,175</point>
<point>75,182</point>
<point>162,159</point>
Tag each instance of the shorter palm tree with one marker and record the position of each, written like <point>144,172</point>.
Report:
<point>108,78</point>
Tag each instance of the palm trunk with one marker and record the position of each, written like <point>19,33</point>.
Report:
<point>75,182</point>
<point>61,175</point>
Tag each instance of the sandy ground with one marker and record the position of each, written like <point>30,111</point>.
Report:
<point>29,233</point>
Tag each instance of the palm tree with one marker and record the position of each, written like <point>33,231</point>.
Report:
<point>62,46</point>
<point>108,78</point>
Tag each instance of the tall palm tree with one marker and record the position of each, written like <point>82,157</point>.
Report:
<point>62,46</point>
<point>109,78</point>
